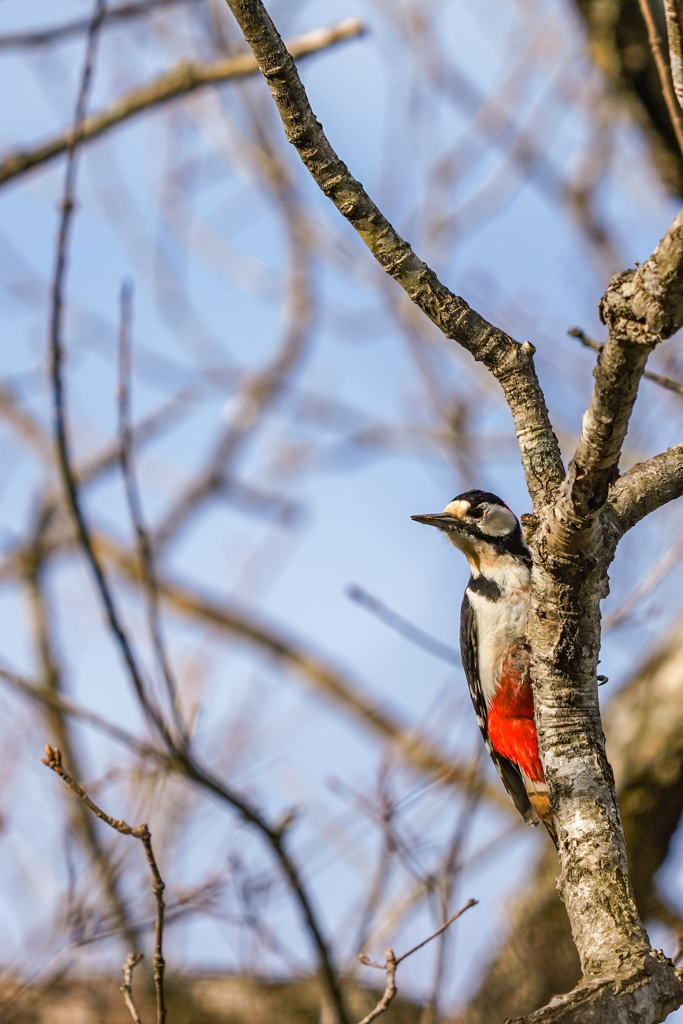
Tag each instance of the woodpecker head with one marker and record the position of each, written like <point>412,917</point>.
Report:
<point>483,527</point>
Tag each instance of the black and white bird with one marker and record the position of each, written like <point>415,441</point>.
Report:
<point>494,654</point>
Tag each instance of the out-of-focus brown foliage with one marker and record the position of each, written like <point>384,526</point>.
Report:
<point>192,1000</point>
<point>618,41</point>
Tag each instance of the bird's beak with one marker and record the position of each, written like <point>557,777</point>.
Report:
<point>443,520</point>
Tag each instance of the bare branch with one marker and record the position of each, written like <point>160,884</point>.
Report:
<point>674,18</point>
<point>434,935</point>
<point>56,349</point>
<point>657,378</point>
<point>647,995</point>
<point>510,362</point>
<point>392,963</point>
<point>56,359</point>
<point>114,15</point>
<point>59,725</point>
<point>646,487</point>
<point>404,627</point>
<point>185,78</point>
<point>663,69</point>
<point>390,989</point>
<point>127,987</point>
<point>144,547</point>
<point>53,760</point>
<point>641,308</point>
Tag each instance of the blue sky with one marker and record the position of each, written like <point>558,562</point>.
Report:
<point>520,260</point>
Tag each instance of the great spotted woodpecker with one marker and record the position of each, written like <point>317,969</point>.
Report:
<point>494,654</point>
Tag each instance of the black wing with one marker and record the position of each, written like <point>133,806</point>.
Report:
<point>508,770</point>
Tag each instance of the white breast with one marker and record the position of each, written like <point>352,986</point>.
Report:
<point>499,623</point>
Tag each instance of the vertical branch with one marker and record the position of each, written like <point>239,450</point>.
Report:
<point>674,17</point>
<point>53,760</point>
<point>56,350</point>
<point>127,987</point>
<point>145,554</point>
<point>662,69</point>
<point>58,723</point>
<point>159,964</point>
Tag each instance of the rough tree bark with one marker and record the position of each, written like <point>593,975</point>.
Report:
<point>573,534</point>
<point>644,739</point>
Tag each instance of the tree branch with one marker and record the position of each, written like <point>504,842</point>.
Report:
<point>674,16</point>
<point>641,308</point>
<point>53,760</point>
<point>647,995</point>
<point>46,36</point>
<point>185,78</point>
<point>132,960</point>
<point>646,487</point>
<point>510,362</point>
<point>657,378</point>
<point>392,963</point>
<point>662,68</point>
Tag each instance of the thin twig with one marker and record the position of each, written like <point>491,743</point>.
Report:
<point>674,18</point>
<point>182,79</point>
<point>57,355</point>
<point>663,71</point>
<point>57,33</point>
<point>66,707</point>
<point>144,547</point>
<point>261,390</point>
<point>403,626</point>
<point>53,760</point>
<point>392,962</point>
<point>664,382</point>
<point>159,964</point>
<point>661,568</point>
<point>183,764</point>
<point>442,928</point>
<point>390,989</point>
<point>127,987</point>
<point>59,725</point>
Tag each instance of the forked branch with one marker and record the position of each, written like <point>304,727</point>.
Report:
<point>510,362</point>
<point>391,963</point>
<point>53,760</point>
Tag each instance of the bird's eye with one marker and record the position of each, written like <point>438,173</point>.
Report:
<point>476,512</point>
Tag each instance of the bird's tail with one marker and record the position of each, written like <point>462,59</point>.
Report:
<point>540,801</point>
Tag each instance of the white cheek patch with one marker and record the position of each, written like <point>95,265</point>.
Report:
<point>498,521</point>
<point>458,508</point>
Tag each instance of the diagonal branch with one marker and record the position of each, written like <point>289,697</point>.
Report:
<point>641,308</point>
<point>646,487</point>
<point>132,960</point>
<point>46,36</point>
<point>53,760</point>
<point>674,17</point>
<point>655,40</point>
<point>181,80</point>
<point>510,362</point>
<point>657,378</point>
<point>393,961</point>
